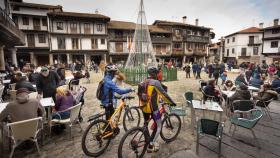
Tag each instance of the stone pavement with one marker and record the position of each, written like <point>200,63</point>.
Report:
<point>60,146</point>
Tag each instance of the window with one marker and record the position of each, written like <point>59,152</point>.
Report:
<point>232,51</point>
<point>119,47</point>
<point>94,43</point>
<point>59,25</point>
<point>233,39</point>
<point>102,41</point>
<point>251,39</point>
<point>42,38</point>
<point>177,46</point>
<point>227,52</point>
<point>118,34</point>
<point>44,22</point>
<point>99,27</point>
<point>227,40</point>
<point>16,8</point>
<point>189,32</point>
<point>274,44</point>
<point>25,20</point>
<point>256,50</point>
<point>61,42</point>
<point>275,31</point>
<point>87,28</point>
<point>75,43</point>
<point>73,27</point>
<point>36,24</point>
<point>243,51</point>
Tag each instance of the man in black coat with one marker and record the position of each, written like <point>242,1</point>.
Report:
<point>47,83</point>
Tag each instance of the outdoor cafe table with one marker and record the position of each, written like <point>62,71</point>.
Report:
<point>208,106</point>
<point>48,103</point>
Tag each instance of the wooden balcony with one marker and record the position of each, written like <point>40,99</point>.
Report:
<point>160,39</point>
<point>178,51</point>
<point>199,52</point>
<point>9,32</point>
<point>193,38</point>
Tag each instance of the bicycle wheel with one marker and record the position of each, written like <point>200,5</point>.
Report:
<point>171,126</point>
<point>131,118</point>
<point>92,142</point>
<point>133,143</point>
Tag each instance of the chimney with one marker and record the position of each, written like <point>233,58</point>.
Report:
<point>196,22</point>
<point>96,11</point>
<point>276,22</point>
<point>184,19</point>
<point>261,25</point>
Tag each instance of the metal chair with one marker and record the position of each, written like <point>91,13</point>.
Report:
<point>1,93</point>
<point>245,118</point>
<point>24,130</point>
<point>74,117</point>
<point>211,128</point>
<point>205,96</point>
<point>242,105</point>
<point>264,105</point>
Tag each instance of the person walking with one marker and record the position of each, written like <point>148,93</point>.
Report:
<point>194,69</point>
<point>187,69</point>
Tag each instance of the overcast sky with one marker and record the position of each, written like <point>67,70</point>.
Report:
<point>224,16</point>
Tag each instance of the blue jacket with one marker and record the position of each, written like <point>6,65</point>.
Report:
<point>109,85</point>
<point>275,83</point>
<point>194,67</point>
<point>256,81</point>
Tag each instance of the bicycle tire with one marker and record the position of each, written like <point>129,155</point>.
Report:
<point>126,114</point>
<point>165,119</point>
<point>131,132</point>
<point>84,147</point>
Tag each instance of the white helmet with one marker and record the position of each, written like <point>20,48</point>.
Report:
<point>111,68</point>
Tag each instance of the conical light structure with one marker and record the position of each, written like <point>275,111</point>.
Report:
<point>141,53</point>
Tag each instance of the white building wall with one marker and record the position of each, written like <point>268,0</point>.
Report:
<point>86,43</point>
<point>68,43</point>
<point>102,46</point>
<point>268,33</point>
<point>54,43</point>
<point>267,47</point>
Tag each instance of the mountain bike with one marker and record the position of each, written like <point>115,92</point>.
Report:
<point>100,131</point>
<point>135,141</point>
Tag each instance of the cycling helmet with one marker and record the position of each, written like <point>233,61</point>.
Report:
<point>152,70</point>
<point>111,68</point>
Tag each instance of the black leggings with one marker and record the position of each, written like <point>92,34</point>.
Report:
<point>109,110</point>
<point>146,118</point>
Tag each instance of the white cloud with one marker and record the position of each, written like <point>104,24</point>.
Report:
<point>224,16</point>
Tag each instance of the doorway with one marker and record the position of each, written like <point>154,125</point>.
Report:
<point>96,59</point>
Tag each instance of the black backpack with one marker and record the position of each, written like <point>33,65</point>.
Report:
<point>99,91</point>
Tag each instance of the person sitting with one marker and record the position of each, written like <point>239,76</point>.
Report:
<point>211,91</point>
<point>64,100</point>
<point>240,79</point>
<point>265,94</point>
<point>228,86</point>
<point>23,83</point>
<point>242,93</point>
<point>276,83</point>
<point>22,108</point>
<point>256,81</point>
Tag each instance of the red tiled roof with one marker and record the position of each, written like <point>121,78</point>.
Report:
<point>172,23</point>
<point>248,30</point>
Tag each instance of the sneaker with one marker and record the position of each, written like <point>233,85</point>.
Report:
<point>152,148</point>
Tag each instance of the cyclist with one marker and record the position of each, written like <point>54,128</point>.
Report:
<point>155,90</point>
<point>110,88</point>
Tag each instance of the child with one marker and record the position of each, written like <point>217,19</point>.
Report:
<point>224,77</point>
<point>119,80</point>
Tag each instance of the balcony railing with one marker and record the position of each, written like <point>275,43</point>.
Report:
<point>254,43</point>
<point>10,24</point>
<point>160,39</point>
<point>193,38</point>
<point>178,51</point>
<point>199,52</point>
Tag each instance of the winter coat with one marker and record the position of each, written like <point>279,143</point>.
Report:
<point>22,109</point>
<point>64,102</point>
<point>256,82</point>
<point>265,96</point>
<point>47,85</point>
<point>25,84</point>
<point>241,95</point>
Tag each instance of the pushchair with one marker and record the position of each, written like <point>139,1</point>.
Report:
<point>78,95</point>
<point>202,83</point>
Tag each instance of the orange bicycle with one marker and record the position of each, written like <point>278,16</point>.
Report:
<point>100,131</point>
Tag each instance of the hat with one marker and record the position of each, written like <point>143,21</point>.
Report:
<point>44,69</point>
<point>22,90</point>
